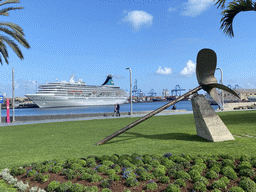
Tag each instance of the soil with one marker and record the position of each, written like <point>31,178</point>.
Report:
<point>119,186</point>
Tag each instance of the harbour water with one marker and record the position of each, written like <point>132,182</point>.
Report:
<point>99,109</point>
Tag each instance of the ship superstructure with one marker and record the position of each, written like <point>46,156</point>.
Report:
<point>78,94</point>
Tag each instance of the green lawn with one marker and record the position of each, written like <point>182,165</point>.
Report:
<point>158,135</point>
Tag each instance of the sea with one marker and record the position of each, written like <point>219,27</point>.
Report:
<point>150,106</point>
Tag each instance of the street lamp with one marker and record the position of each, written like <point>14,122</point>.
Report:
<point>222,95</point>
<point>130,88</point>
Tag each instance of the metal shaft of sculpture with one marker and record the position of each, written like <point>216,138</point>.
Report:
<point>205,69</point>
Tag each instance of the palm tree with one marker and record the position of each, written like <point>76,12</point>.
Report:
<point>13,30</point>
<point>232,10</point>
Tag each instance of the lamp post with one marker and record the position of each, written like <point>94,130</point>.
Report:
<point>130,88</point>
<point>222,95</point>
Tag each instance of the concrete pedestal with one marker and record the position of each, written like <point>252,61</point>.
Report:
<point>208,124</point>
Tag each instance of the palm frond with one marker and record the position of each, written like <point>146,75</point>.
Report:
<point>13,26</point>
<point>5,11</point>
<point>9,1</point>
<point>232,10</point>
<point>4,52</point>
<point>220,3</point>
<point>13,45</point>
<point>16,36</point>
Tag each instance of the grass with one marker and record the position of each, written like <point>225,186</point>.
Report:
<point>158,135</point>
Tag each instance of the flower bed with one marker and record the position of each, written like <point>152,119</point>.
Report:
<point>168,173</point>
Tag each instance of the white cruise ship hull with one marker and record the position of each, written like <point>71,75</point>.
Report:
<point>45,101</point>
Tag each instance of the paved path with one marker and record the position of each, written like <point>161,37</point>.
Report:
<point>85,118</point>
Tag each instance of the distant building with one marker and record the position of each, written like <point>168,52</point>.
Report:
<point>243,94</point>
<point>165,93</point>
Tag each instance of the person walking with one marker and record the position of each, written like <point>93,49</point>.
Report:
<point>117,108</point>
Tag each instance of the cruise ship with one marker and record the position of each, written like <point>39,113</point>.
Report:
<point>78,94</point>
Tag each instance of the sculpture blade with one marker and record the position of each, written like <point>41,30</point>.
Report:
<point>206,66</point>
<point>223,87</point>
<point>214,94</point>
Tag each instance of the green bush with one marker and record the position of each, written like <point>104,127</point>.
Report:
<point>72,174</point>
<point>196,167</point>
<point>199,186</point>
<point>45,168</point>
<point>193,173</point>
<point>91,189</point>
<point>246,172</point>
<point>137,162</point>
<point>154,163</point>
<point>151,185</point>
<point>57,169</point>
<point>229,173</point>
<point>236,189</point>
<point>115,177</point>
<point>131,181</point>
<point>17,171</point>
<point>244,165</point>
<point>116,168</point>
<point>106,190</point>
<point>247,184</point>
<point>76,166</point>
<point>172,188</point>
<point>63,187</point>
<point>101,168</point>
<point>211,175</point>
<point>106,183</point>
<point>168,164</point>
<point>148,167</point>
<point>158,172</point>
<point>85,176</point>
<point>215,164</point>
<point>227,156</point>
<point>81,162</point>
<point>110,172</point>
<point>215,190</point>
<point>30,173</point>
<point>76,188</point>
<point>146,159</point>
<point>228,162</point>
<point>215,168</point>
<point>171,172</point>
<point>38,177</point>
<point>253,163</point>
<point>164,179</point>
<point>182,175</point>
<point>198,161</point>
<point>225,179</point>
<point>37,166</point>
<point>52,186</point>
<point>72,160</point>
<point>107,163</point>
<point>219,184</point>
<point>180,182</point>
<point>146,176</point>
<point>200,179</point>
<point>95,178</point>
<point>140,170</point>
<point>245,157</point>
<point>113,158</point>
<point>103,158</point>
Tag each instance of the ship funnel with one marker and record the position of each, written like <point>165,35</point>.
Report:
<point>109,80</point>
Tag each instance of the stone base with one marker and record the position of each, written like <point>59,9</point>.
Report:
<point>208,124</point>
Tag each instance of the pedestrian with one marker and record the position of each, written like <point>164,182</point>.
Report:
<point>117,109</point>
<point>174,107</point>
<point>114,110</point>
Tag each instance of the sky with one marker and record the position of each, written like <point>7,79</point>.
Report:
<point>158,39</point>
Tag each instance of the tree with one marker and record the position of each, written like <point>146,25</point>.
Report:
<point>12,30</point>
<point>232,10</point>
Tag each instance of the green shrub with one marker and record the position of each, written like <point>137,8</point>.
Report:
<point>200,179</point>
<point>140,170</point>
<point>155,156</point>
<point>186,157</point>
<point>17,171</point>
<point>168,164</point>
<point>246,172</point>
<point>30,172</point>
<point>116,168</point>
<point>164,179</point>
<point>147,159</point>
<point>197,167</point>
<point>245,157</point>
<point>72,160</point>
<point>236,189</point>
<point>57,169</point>
<point>253,163</point>
<point>103,157</point>
<point>151,185</point>
<point>180,182</point>
<point>101,168</point>
<point>72,174</point>
<point>81,162</point>
<point>215,168</point>
<point>106,190</point>
<point>182,175</point>
<point>225,179</point>
<point>172,188</point>
<point>91,171</point>
<point>219,184</point>
<point>148,167</point>
<point>229,172</point>
<point>215,190</point>
<point>193,173</point>
<point>91,189</point>
<point>146,176</point>
<point>36,166</point>
<point>227,156</point>
<point>228,162</point>
<point>110,172</point>
<point>211,175</point>
<point>95,178</point>
<point>198,161</point>
<point>115,177</point>
<point>137,162</point>
<point>63,187</point>
<point>131,181</point>
<point>52,186</point>
<point>76,188</point>
<point>38,177</point>
<point>158,172</point>
<point>247,184</point>
<point>244,165</point>
<point>85,176</point>
<point>199,186</point>
<point>106,183</point>
<point>76,166</point>
<point>171,172</point>
<point>215,164</point>
<point>154,163</point>
<point>107,163</point>
<point>45,168</point>
<point>45,178</point>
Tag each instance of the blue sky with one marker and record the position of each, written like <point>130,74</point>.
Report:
<point>158,39</point>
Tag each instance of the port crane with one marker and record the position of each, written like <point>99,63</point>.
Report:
<point>152,93</point>
<point>177,90</point>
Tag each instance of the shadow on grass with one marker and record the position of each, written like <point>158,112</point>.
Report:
<point>167,136</point>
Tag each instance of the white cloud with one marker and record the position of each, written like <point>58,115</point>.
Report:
<point>196,7</point>
<point>171,9</point>
<point>165,71</point>
<point>138,19</point>
<point>189,69</point>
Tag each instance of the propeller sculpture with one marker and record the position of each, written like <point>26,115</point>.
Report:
<point>205,69</point>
